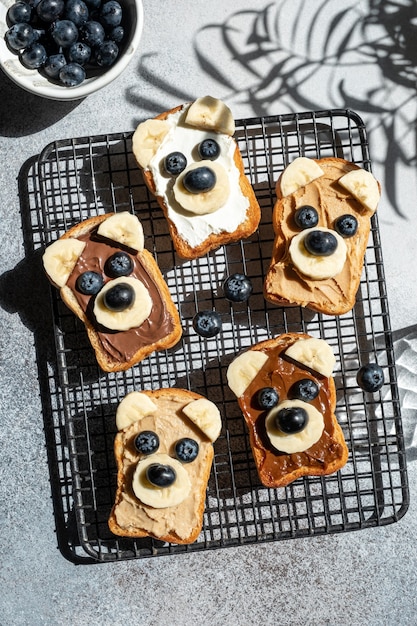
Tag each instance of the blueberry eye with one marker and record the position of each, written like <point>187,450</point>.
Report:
<point>291,420</point>
<point>186,450</point>
<point>119,264</point>
<point>346,225</point>
<point>209,149</point>
<point>306,217</point>
<point>147,442</point>
<point>175,163</point>
<point>89,283</point>
<point>320,243</point>
<point>119,297</point>
<point>267,398</point>
<point>305,389</point>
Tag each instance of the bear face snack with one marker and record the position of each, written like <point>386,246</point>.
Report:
<point>164,453</point>
<point>114,286</point>
<point>286,393</point>
<point>322,222</point>
<point>193,166</point>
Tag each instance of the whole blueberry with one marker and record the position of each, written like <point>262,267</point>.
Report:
<point>209,149</point>
<point>76,11</point>
<point>79,52</point>
<point>346,225</point>
<point>53,65</point>
<point>304,389</point>
<point>20,36</point>
<point>199,179</point>
<point>186,450</point>
<point>237,288</point>
<point>320,243</point>
<point>50,10</point>
<point>291,420</point>
<point>19,13</point>
<point>72,74</point>
<point>64,33</point>
<point>146,442</point>
<point>116,34</point>
<point>111,14</point>
<point>160,475</point>
<point>93,4</point>
<point>267,398</point>
<point>107,53</point>
<point>175,163</point>
<point>33,57</point>
<point>306,217</point>
<point>92,33</point>
<point>370,377</point>
<point>207,323</point>
<point>89,283</point>
<point>119,297</point>
<point>119,264</point>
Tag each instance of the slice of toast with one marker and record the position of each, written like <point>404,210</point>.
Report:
<point>238,213</point>
<point>115,350</point>
<point>288,281</point>
<point>281,363</point>
<point>173,513</point>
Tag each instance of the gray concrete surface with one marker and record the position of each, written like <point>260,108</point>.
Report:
<point>324,56</point>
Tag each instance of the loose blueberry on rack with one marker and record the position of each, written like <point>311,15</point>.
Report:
<point>119,264</point>
<point>237,288</point>
<point>291,420</point>
<point>209,149</point>
<point>370,377</point>
<point>186,450</point>
<point>34,56</point>
<point>72,74</point>
<point>207,323</point>
<point>267,398</point>
<point>119,297</point>
<point>304,389</point>
<point>89,283</point>
<point>346,225</point>
<point>19,13</point>
<point>199,180</point>
<point>175,163</point>
<point>20,36</point>
<point>146,442</point>
<point>320,243</point>
<point>306,217</point>
<point>160,475</point>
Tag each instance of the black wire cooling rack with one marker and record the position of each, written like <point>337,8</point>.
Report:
<point>77,178</point>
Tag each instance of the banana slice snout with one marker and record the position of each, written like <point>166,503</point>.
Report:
<point>202,188</point>
<point>297,441</point>
<point>318,265</point>
<point>160,481</point>
<point>133,315</point>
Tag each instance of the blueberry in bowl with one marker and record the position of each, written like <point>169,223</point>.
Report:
<point>96,39</point>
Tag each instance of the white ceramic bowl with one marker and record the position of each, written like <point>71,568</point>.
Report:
<point>34,82</point>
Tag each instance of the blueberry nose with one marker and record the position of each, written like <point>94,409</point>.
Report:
<point>320,243</point>
<point>160,475</point>
<point>199,179</point>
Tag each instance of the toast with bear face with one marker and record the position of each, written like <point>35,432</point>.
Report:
<point>164,453</point>
<point>193,166</point>
<point>322,222</point>
<point>286,393</point>
<point>114,286</point>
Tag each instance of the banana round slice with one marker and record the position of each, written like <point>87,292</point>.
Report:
<point>317,267</point>
<point>133,316</point>
<point>205,414</point>
<point>147,138</point>
<point>363,186</point>
<point>207,201</point>
<point>60,258</point>
<point>211,113</point>
<point>296,442</point>
<point>133,408</point>
<point>314,353</point>
<point>160,497</point>
<point>299,173</point>
<point>125,228</point>
<point>243,369</point>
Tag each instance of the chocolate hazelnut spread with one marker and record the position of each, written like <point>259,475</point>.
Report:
<point>280,373</point>
<point>120,345</point>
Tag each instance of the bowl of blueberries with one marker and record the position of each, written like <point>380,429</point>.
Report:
<point>68,49</point>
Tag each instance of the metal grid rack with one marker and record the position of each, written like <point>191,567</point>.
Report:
<point>74,179</point>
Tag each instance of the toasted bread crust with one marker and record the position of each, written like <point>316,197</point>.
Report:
<point>214,241</point>
<point>105,360</point>
<point>185,397</point>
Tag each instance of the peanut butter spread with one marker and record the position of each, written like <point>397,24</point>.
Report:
<point>170,424</point>
<point>282,374</point>
<point>329,198</point>
<point>120,345</point>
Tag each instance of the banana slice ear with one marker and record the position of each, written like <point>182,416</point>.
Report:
<point>212,114</point>
<point>243,369</point>
<point>124,228</point>
<point>363,187</point>
<point>134,406</point>
<point>297,174</point>
<point>205,414</point>
<point>60,258</point>
<point>147,138</point>
<point>316,354</point>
